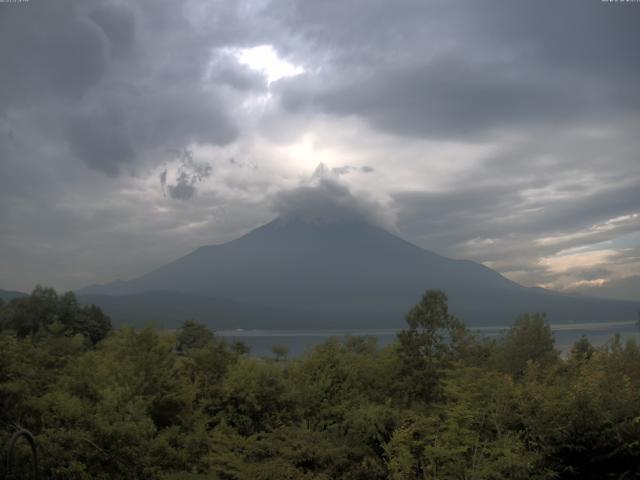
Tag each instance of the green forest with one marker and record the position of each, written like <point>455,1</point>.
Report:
<point>439,403</point>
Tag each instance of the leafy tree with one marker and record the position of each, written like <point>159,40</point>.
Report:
<point>438,403</point>
<point>470,434</point>
<point>256,397</point>
<point>338,376</point>
<point>93,323</point>
<point>26,316</point>
<point>529,340</point>
<point>428,345</point>
<point>280,351</point>
<point>44,312</point>
<point>240,348</point>
<point>582,349</point>
<point>193,335</point>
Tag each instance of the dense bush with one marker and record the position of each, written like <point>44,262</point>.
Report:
<point>438,403</point>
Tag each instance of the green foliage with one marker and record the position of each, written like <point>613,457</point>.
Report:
<point>240,348</point>
<point>433,340</point>
<point>529,340</point>
<point>472,433</point>
<point>280,351</point>
<point>255,397</point>
<point>193,335</point>
<point>437,404</point>
<point>582,349</point>
<point>45,313</point>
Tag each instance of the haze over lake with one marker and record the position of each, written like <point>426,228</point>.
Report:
<point>298,342</point>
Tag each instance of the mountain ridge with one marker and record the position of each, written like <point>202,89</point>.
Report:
<point>8,295</point>
<point>353,274</point>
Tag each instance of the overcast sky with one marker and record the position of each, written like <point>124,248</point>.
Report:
<point>506,132</point>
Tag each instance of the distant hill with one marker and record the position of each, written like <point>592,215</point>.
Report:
<point>7,295</point>
<point>168,309</point>
<point>346,274</point>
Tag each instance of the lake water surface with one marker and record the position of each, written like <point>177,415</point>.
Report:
<point>298,341</point>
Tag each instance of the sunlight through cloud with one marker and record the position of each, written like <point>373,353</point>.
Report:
<point>265,59</point>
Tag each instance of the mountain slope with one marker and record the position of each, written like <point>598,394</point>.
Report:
<point>355,274</point>
<point>169,309</point>
<point>8,295</point>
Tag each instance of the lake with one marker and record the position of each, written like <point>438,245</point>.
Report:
<point>299,341</point>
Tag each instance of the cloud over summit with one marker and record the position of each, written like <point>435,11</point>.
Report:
<point>324,198</point>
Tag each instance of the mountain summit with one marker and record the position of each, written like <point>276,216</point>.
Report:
<point>299,273</point>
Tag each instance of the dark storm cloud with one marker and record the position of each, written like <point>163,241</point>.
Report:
<point>183,189</point>
<point>443,100</point>
<point>47,51</point>
<point>581,211</point>
<point>114,86</point>
<point>346,169</point>
<point>343,170</point>
<point>101,141</point>
<point>575,35</point>
<point>118,23</point>
<point>97,65</point>
<point>163,181</point>
<point>325,198</point>
<point>499,66</point>
<point>243,163</point>
<point>454,216</point>
<point>190,172</point>
<point>174,117</point>
<point>228,71</point>
<point>548,87</point>
<point>500,210</point>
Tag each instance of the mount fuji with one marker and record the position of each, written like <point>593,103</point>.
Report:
<point>297,273</point>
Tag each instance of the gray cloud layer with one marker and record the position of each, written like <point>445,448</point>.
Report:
<point>469,69</point>
<point>189,174</point>
<point>326,199</point>
<point>118,88</point>
<point>503,131</point>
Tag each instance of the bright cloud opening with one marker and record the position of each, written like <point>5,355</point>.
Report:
<point>265,59</point>
<point>562,263</point>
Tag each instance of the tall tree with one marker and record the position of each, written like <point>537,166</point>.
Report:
<point>529,340</point>
<point>428,345</point>
<point>193,335</point>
